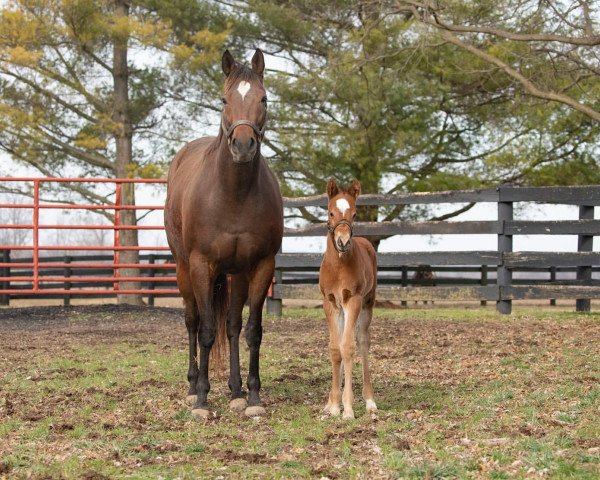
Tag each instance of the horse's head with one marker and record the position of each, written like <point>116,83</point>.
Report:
<point>342,211</point>
<point>244,115</point>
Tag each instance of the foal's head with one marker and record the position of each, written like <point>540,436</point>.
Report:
<point>342,211</point>
<point>244,114</point>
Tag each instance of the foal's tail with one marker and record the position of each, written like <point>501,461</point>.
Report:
<point>220,310</point>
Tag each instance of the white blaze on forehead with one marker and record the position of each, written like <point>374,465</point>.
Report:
<point>243,88</point>
<point>342,205</point>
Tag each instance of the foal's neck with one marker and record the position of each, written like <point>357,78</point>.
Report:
<point>234,179</point>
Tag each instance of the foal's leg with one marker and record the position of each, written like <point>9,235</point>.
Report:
<point>364,342</point>
<point>260,280</point>
<point>238,296</point>
<point>333,314</point>
<point>352,309</point>
<point>202,279</point>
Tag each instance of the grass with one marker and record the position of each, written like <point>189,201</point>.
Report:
<point>461,393</point>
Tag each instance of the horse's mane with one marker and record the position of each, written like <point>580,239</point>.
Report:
<point>240,72</point>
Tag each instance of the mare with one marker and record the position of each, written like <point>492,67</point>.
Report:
<point>348,280</point>
<point>224,224</point>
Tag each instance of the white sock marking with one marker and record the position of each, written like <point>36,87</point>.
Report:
<point>243,88</point>
<point>342,205</point>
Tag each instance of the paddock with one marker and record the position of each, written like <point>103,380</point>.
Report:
<point>98,392</point>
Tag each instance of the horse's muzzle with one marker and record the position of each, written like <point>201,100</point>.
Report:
<point>243,151</point>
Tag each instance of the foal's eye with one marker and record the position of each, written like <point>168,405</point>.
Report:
<point>353,216</point>
<point>331,214</point>
<point>224,101</point>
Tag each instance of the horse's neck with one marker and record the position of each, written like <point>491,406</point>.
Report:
<point>235,180</point>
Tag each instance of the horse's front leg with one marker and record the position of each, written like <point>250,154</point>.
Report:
<point>237,299</point>
<point>352,308</point>
<point>202,277</point>
<point>334,317</point>
<point>260,279</point>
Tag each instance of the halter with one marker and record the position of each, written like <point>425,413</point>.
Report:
<point>260,132</point>
<point>332,230</point>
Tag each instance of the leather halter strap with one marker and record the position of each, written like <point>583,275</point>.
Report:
<point>259,132</point>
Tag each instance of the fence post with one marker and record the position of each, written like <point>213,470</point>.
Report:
<point>552,280</point>
<point>584,244</point>
<point>151,260</point>
<point>505,245</point>
<point>5,297</point>
<point>67,297</point>
<point>404,303</point>
<point>275,305</point>
<point>484,281</point>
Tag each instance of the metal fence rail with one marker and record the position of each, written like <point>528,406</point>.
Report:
<point>97,275</point>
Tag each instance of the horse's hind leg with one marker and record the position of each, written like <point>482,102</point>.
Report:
<point>191,323</point>
<point>238,296</point>
<point>202,280</point>
<point>364,343</point>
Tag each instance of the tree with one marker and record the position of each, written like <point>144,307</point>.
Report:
<point>372,90</point>
<point>83,85</point>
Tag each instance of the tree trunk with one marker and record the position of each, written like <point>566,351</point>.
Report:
<point>124,151</point>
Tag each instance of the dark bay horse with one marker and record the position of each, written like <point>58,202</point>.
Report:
<point>224,224</point>
<point>348,280</point>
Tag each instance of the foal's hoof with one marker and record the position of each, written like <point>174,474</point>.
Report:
<point>333,410</point>
<point>348,415</point>
<point>371,406</point>
<point>255,411</point>
<point>202,413</point>
<point>191,399</point>
<point>238,405</point>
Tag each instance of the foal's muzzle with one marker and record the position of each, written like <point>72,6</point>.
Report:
<point>343,241</point>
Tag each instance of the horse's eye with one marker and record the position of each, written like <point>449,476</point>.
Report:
<point>224,101</point>
<point>353,215</point>
<point>331,214</point>
<point>264,100</point>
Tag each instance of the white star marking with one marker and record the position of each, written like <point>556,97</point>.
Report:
<point>243,88</point>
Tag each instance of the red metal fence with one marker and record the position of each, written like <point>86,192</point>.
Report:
<point>38,207</point>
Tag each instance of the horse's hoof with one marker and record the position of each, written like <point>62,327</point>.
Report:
<point>348,415</point>
<point>255,411</point>
<point>371,406</point>
<point>332,410</point>
<point>238,405</point>
<point>201,413</point>
<point>190,399</point>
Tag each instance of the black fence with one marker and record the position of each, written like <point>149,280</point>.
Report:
<point>500,276</point>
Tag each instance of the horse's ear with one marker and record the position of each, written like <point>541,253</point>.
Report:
<point>354,189</point>
<point>332,188</point>
<point>227,63</point>
<point>258,62</point>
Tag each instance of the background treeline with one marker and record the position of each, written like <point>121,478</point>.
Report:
<point>404,95</point>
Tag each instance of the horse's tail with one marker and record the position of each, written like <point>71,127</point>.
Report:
<point>220,310</point>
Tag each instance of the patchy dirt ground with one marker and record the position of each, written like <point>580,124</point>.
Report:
<point>98,392</point>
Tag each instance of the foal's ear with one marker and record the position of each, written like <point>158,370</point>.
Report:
<point>332,188</point>
<point>227,63</point>
<point>258,62</point>
<point>354,189</point>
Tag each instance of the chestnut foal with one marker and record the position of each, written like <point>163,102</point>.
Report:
<point>348,279</point>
